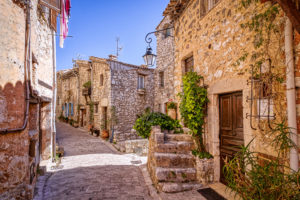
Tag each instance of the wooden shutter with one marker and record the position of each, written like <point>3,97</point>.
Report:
<point>53,20</point>
<point>189,64</point>
<point>52,4</point>
<point>71,109</point>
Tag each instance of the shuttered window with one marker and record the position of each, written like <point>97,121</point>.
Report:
<point>189,64</point>
<point>141,81</point>
<point>53,20</point>
<point>101,80</point>
<point>161,79</point>
<point>206,6</point>
<point>52,4</point>
<point>72,111</point>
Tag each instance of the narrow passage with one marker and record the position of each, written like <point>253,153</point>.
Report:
<point>92,170</point>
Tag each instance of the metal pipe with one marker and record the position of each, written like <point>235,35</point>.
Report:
<point>291,94</point>
<point>54,98</point>
<point>149,40</point>
<point>26,74</point>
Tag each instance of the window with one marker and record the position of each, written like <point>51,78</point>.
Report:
<point>189,64</point>
<point>161,79</point>
<point>141,81</point>
<point>206,6</point>
<point>101,80</point>
<point>167,32</point>
<point>96,108</point>
<point>72,111</point>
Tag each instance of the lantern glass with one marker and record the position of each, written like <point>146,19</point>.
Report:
<point>149,57</point>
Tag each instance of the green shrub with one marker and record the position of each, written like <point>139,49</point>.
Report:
<point>87,84</point>
<point>271,180</point>
<point>171,105</point>
<point>144,123</point>
<point>201,154</point>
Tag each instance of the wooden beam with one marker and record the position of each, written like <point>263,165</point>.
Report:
<point>291,11</point>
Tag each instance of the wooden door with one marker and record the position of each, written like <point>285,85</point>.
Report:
<point>231,127</point>
<point>82,117</point>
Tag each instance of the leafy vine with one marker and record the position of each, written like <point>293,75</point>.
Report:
<point>193,108</point>
<point>247,174</point>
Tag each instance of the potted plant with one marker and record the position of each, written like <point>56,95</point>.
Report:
<point>104,131</point>
<point>171,106</point>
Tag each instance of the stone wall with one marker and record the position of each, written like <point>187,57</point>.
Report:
<point>101,94</point>
<point>20,152</point>
<point>165,64</point>
<point>67,92</point>
<point>216,41</point>
<point>126,98</point>
<point>119,90</point>
<point>84,76</point>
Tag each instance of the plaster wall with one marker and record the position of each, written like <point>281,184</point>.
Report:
<point>18,164</point>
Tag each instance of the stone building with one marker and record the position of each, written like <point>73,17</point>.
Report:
<point>164,71</point>
<point>209,40</point>
<point>105,89</point>
<point>27,94</point>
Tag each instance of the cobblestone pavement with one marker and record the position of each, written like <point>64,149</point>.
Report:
<point>90,169</point>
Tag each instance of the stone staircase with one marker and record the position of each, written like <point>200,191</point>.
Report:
<point>170,162</point>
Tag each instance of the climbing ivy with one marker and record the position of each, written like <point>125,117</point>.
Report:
<point>193,107</point>
<point>91,104</point>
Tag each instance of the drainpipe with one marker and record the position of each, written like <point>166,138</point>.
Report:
<point>91,67</point>
<point>291,93</point>
<point>54,97</point>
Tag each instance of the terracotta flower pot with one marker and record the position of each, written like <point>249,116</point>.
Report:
<point>172,113</point>
<point>104,134</point>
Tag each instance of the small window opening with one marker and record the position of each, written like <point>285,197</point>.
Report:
<point>101,80</point>
<point>189,64</point>
<point>141,81</point>
<point>161,79</point>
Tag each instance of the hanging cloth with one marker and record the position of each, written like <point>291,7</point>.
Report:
<point>64,20</point>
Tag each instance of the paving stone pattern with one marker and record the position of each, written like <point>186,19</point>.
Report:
<point>92,170</point>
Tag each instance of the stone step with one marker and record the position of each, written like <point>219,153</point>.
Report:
<point>171,160</point>
<point>175,174</point>
<point>175,147</point>
<point>178,137</point>
<point>179,187</point>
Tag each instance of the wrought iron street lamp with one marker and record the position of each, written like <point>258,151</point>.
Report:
<point>150,57</point>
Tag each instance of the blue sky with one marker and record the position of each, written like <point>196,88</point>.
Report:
<point>95,24</point>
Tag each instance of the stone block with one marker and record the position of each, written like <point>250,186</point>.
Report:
<point>173,160</point>
<point>205,170</point>
<point>176,174</point>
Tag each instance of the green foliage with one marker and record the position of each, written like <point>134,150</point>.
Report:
<point>87,84</point>
<point>91,104</point>
<point>193,106</point>
<point>247,174</point>
<point>71,122</point>
<point>148,119</point>
<point>171,105</point>
<point>61,117</point>
<point>268,181</point>
<point>201,154</point>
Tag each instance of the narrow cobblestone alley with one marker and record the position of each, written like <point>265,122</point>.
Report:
<point>90,169</point>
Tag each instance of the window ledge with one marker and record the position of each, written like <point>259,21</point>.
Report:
<point>141,91</point>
